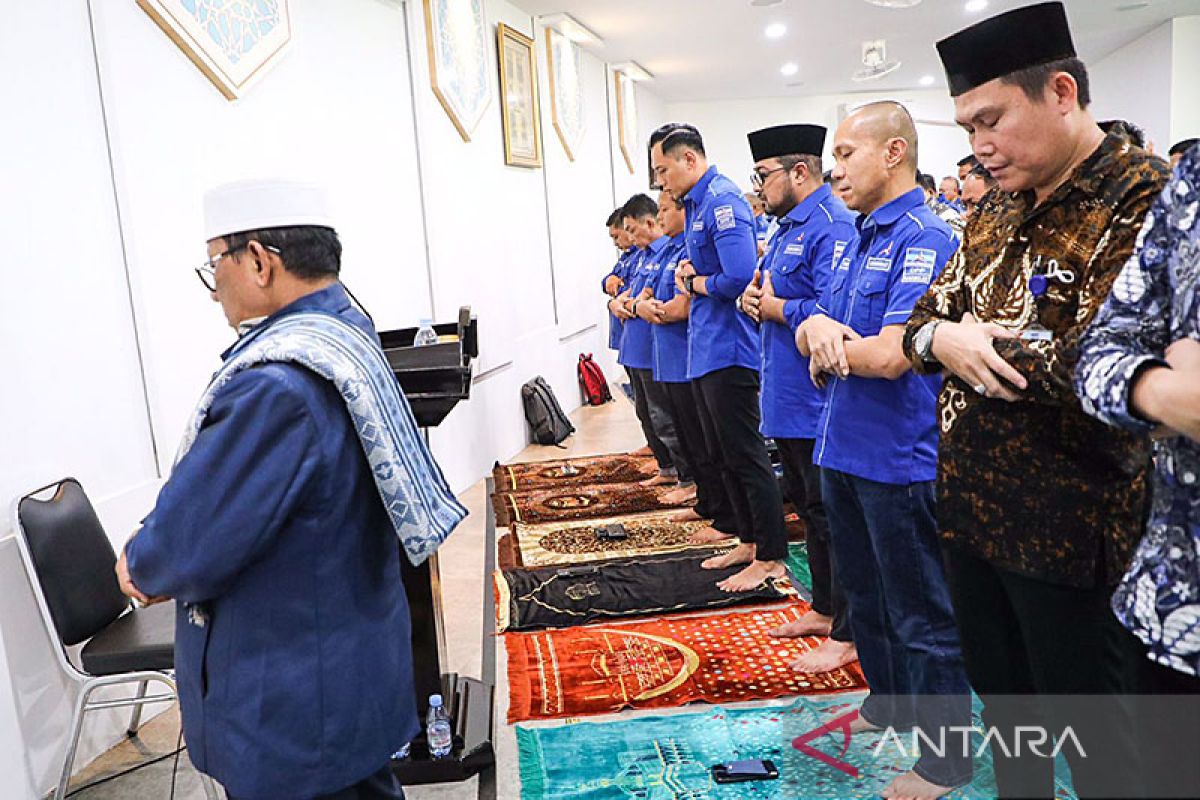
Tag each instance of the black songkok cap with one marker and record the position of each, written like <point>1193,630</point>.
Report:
<point>1006,43</point>
<point>787,140</point>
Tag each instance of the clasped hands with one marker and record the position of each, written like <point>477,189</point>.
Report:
<point>128,587</point>
<point>757,296</point>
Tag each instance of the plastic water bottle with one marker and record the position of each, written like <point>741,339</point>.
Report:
<point>437,728</point>
<point>425,334</point>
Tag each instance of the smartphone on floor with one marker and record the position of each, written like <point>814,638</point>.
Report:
<point>753,769</point>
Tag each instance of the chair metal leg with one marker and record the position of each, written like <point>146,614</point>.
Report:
<point>76,728</point>
<point>136,720</point>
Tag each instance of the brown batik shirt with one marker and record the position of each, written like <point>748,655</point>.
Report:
<point>1036,486</point>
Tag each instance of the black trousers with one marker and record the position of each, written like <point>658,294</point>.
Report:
<point>381,785</point>
<point>663,422</point>
<point>641,407</point>
<point>712,499</point>
<point>1050,656</point>
<point>804,488</point>
<point>728,401</point>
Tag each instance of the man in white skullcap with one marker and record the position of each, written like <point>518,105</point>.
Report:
<point>276,532</point>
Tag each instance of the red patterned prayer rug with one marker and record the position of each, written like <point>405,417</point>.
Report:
<point>554,544</point>
<point>615,468</point>
<point>600,669</point>
<point>580,502</point>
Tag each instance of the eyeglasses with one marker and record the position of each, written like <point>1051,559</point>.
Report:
<point>758,178</point>
<point>207,272</point>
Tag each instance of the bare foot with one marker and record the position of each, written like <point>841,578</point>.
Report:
<point>660,480</point>
<point>709,535</point>
<point>642,451</point>
<point>687,515</point>
<point>753,576</point>
<point>829,656</point>
<point>860,725</point>
<point>911,786</point>
<point>742,554</point>
<point>681,495</point>
<point>810,624</point>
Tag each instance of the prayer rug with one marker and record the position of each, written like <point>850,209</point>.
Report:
<point>580,502</point>
<point>725,658</point>
<point>559,598</point>
<point>615,468</point>
<point>556,544</point>
<point>797,565</point>
<point>669,757</point>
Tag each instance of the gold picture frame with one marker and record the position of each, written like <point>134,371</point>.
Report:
<point>519,98</point>
<point>626,117</point>
<point>456,42</point>
<point>230,50</point>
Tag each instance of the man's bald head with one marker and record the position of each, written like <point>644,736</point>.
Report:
<point>885,121</point>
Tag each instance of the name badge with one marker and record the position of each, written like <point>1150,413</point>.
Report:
<point>795,249</point>
<point>878,264</point>
<point>698,225</point>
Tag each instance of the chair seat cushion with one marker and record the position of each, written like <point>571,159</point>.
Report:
<point>143,639</point>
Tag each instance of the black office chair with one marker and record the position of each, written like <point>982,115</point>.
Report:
<point>70,564</point>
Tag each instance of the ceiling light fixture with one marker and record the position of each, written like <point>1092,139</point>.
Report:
<point>875,62</point>
<point>571,28</point>
<point>895,3</point>
<point>974,6</point>
<point>633,70</point>
<point>789,69</point>
<point>775,30</point>
<point>764,3</point>
<point>927,80</point>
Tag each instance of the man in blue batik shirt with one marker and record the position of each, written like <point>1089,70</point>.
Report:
<point>814,229</point>
<point>293,649</point>
<point>723,353</point>
<point>1139,369</point>
<point>877,446</point>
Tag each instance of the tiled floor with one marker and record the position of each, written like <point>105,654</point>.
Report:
<point>609,428</point>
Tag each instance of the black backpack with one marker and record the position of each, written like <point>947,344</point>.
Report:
<point>543,413</point>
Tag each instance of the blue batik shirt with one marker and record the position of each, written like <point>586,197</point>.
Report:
<point>722,245</point>
<point>621,270</point>
<point>877,429</point>
<point>1154,302</point>
<point>670,341</point>
<point>799,259</point>
<point>637,347</point>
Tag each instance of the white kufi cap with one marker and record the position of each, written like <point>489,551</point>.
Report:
<point>257,204</point>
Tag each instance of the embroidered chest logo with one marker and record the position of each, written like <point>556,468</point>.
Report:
<point>918,265</point>
<point>723,215</point>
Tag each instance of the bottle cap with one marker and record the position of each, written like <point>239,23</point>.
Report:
<point>435,700</point>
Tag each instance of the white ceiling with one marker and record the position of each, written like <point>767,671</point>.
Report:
<point>716,49</point>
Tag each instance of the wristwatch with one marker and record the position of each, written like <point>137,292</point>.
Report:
<point>738,304</point>
<point>688,283</point>
<point>923,341</point>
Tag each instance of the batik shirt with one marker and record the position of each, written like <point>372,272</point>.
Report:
<point>1155,302</point>
<point>1037,486</point>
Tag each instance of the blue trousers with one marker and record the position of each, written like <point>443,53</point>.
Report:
<point>381,785</point>
<point>888,562</point>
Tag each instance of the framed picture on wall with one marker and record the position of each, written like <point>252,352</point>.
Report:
<point>564,64</point>
<point>456,38</point>
<point>519,98</point>
<point>233,44</point>
<point>626,117</point>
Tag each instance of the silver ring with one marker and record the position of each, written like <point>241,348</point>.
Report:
<point>981,389</point>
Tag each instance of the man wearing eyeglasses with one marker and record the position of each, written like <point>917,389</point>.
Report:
<point>276,533</point>
<point>723,352</point>
<point>814,229</point>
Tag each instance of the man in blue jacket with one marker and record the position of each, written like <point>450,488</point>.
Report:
<point>814,229</point>
<point>276,533</point>
<point>723,353</point>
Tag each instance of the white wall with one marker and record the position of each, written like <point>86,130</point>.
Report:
<point>1146,101</point>
<point>725,123</point>
<point>119,135</point>
<point>1185,70</point>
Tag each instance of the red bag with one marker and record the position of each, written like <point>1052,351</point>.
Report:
<point>592,381</point>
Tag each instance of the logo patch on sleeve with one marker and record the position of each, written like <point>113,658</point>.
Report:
<point>918,265</point>
<point>724,217</point>
<point>838,249</point>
